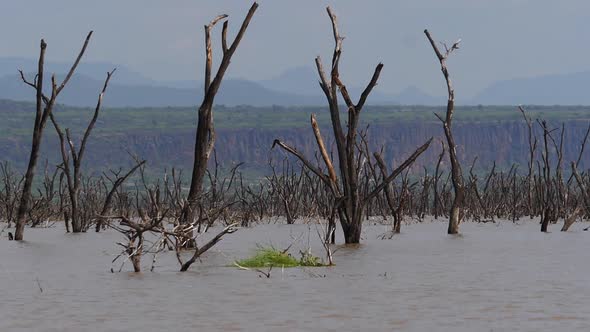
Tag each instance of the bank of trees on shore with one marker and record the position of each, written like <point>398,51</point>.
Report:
<point>345,182</point>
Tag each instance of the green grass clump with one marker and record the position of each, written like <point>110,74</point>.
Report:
<point>267,257</point>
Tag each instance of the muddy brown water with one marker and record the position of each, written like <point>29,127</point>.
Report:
<point>496,277</point>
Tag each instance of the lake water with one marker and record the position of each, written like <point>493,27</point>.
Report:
<point>495,277</point>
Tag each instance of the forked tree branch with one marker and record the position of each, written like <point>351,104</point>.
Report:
<point>95,117</point>
<point>408,162</point>
<point>209,50</point>
<point>304,160</point>
<point>199,251</point>
<point>369,87</point>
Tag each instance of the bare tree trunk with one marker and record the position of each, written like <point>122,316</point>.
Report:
<point>389,195</point>
<point>546,213</point>
<point>532,147</point>
<point>44,107</point>
<point>66,145</point>
<point>331,228</point>
<point>205,138</point>
<point>135,253</point>
<point>349,199</point>
<point>569,221</point>
<point>456,172</point>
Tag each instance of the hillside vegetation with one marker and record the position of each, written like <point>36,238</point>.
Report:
<point>165,136</point>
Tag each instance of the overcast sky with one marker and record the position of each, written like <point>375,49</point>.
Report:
<point>501,39</point>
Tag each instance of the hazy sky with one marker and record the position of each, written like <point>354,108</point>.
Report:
<point>501,39</point>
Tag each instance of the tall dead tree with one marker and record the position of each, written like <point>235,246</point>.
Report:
<point>72,159</point>
<point>456,172</point>
<point>349,199</point>
<point>531,169</point>
<point>44,107</point>
<point>205,138</point>
<point>548,192</point>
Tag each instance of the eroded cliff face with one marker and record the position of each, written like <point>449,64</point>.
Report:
<point>502,141</point>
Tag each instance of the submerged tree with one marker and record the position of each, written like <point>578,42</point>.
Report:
<point>349,200</point>
<point>205,138</point>
<point>44,107</point>
<point>456,172</point>
<point>193,210</point>
<point>72,160</point>
<point>532,140</point>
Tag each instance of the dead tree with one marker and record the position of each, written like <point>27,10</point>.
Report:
<point>560,192</point>
<point>44,107</point>
<point>11,185</point>
<point>548,192</point>
<point>396,211</point>
<point>349,199</point>
<point>205,138</point>
<point>287,186</point>
<point>42,207</point>
<point>456,172</point>
<point>63,202</point>
<point>184,266</point>
<point>577,213</point>
<point>256,201</point>
<point>585,197</point>
<point>134,231</point>
<point>72,159</point>
<point>532,139</point>
<point>149,212</point>
<point>578,210</point>
<point>116,181</point>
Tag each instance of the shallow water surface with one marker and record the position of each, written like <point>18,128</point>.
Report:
<point>495,277</point>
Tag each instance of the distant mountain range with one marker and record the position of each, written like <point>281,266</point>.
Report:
<point>305,81</point>
<point>97,70</point>
<point>83,91</point>
<point>297,86</point>
<point>563,89</point>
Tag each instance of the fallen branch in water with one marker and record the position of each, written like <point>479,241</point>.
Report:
<point>266,274</point>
